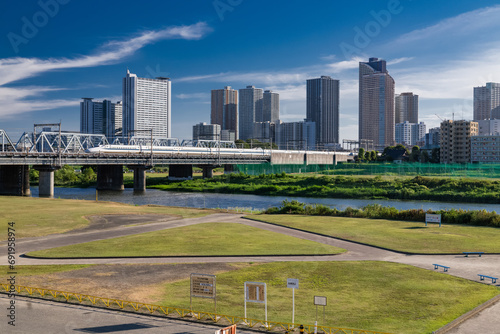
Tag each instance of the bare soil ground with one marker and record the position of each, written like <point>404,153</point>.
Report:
<point>133,282</point>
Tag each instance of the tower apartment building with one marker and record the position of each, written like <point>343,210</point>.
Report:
<point>250,110</point>
<point>487,101</point>
<point>323,109</point>
<point>146,106</point>
<point>406,108</point>
<point>376,103</point>
<point>100,117</point>
<point>224,110</point>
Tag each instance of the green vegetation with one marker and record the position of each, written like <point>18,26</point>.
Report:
<point>411,237</point>
<point>377,211</point>
<point>26,271</point>
<point>201,239</point>
<point>376,296</point>
<point>417,188</point>
<point>36,217</point>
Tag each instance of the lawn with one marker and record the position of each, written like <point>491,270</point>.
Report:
<point>201,239</point>
<point>369,295</point>
<point>377,296</point>
<point>411,237</point>
<point>36,217</point>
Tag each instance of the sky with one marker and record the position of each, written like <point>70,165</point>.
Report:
<point>54,52</point>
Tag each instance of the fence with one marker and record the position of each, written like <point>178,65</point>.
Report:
<point>176,312</point>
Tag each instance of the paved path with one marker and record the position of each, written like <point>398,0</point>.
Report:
<point>43,316</point>
<point>461,266</point>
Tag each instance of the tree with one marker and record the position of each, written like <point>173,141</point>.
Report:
<point>424,157</point>
<point>435,155</point>
<point>415,154</point>
<point>368,156</point>
<point>361,153</point>
<point>373,155</point>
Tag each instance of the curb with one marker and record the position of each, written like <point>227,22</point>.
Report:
<point>458,321</point>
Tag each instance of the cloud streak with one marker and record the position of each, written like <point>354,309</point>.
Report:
<point>17,68</point>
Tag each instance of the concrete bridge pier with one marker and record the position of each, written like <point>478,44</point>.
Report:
<point>180,172</point>
<point>110,177</point>
<point>46,180</point>
<point>15,180</point>
<point>228,169</point>
<point>139,177</point>
<point>208,171</point>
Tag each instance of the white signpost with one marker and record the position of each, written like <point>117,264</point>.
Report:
<point>293,284</point>
<point>320,301</point>
<point>432,218</point>
<point>256,292</point>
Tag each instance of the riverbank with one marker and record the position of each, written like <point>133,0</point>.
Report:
<point>419,188</point>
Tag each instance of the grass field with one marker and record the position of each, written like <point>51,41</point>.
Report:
<point>412,237</point>
<point>376,296</point>
<point>201,239</point>
<point>42,216</point>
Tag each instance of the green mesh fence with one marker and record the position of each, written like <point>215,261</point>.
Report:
<point>383,169</point>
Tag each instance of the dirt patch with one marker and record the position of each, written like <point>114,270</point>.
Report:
<point>134,282</point>
<point>103,222</point>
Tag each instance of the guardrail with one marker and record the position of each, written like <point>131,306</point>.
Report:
<point>177,312</point>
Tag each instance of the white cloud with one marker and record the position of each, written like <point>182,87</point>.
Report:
<point>193,96</point>
<point>16,69</point>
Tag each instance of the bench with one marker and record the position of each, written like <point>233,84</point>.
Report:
<point>445,268</point>
<point>478,253</point>
<point>493,279</point>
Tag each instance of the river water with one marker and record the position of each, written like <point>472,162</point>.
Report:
<point>248,202</point>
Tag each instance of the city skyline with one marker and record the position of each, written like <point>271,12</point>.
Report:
<point>46,70</point>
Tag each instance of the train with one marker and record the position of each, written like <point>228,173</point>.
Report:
<point>185,150</point>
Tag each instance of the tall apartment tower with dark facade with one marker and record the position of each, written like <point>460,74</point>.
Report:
<point>376,103</point>
<point>250,110</point>
<point>406,108</point>
<point>270,107</point>
<point>323,109</point>
<point>224,110</point>
<point>487,101</point>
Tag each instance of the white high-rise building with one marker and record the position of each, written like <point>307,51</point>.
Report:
<point>100,117</point>
<point>487,101</point>
<point>410,134</point>
<point>146,106</point>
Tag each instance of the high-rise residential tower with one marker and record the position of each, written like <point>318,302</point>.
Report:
<point>100,117</point>
<point>270,107</point>
<point>406,108</point>
<point>146,106</point>
<point>376,103</point>
<point>323,109</point>
<point>224,109</point>
<point>250,110</point>
<point>487,101</point>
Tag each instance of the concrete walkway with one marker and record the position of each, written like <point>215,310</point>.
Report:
<point>460,266</point>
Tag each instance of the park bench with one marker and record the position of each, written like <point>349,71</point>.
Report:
<point>445,268</point>
<point>478,253</point>
<point>493,279</point>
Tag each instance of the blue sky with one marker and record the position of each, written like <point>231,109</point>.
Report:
<point>437,49</point>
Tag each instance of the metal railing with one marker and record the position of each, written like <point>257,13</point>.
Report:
<point>177,312</point>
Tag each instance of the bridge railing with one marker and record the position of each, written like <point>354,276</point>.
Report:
<point>119,304</point>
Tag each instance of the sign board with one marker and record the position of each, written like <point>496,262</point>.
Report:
<point>255,292</point>
<point>292,283</point>
<point>319,300</point>
<point>203,285</point>
<point>432,218</point>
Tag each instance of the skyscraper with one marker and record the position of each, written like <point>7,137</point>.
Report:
<point>100,117</point>
<point>250,110</point>
<point>406,108</point>
<point>487,101</point>
<point>270,108</point>
<point>224,109</point>
<point>376,103</point>
<point>146,106</point>
<point>323,109</point>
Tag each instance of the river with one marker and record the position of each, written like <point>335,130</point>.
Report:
<point>248,202</point>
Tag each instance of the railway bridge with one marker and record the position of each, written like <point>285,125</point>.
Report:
<point>49,151</point>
